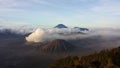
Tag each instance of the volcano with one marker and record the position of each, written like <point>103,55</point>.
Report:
<point>60,26</point>
<point>58,45</point>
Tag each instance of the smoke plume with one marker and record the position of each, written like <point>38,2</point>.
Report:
<point>42,35</point>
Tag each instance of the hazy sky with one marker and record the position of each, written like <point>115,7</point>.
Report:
<point>82,13</point>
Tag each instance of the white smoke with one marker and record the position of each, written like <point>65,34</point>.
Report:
<point>42,35</point>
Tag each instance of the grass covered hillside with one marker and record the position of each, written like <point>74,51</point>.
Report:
<point>103,59</point>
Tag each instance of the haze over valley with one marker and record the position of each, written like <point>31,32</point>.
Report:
<point>41,47</point>
<point>59,33</point>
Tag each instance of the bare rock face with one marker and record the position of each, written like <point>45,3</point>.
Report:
<point>58,45</point>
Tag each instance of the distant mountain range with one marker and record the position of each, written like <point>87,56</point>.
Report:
<point>7,33</point>
<point>82,29</point>
<point>64,26</point>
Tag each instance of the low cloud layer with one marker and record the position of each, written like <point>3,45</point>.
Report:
<point>23,30</point>
<point>42,35</point>
<point>46,34</point>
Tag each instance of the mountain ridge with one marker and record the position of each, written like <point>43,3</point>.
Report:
<point>58,45</point>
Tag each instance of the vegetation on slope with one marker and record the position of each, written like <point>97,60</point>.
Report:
<point>103,59</point>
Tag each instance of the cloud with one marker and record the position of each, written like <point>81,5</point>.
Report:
<point>88,12</point>
<point>107,7</point>
<point>20,29</point>
<point>42,2</point>
<point>7,23</point>
<point>43,35</point>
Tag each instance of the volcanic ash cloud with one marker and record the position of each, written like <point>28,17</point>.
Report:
<point>36,36</point>
<point>42,35</point>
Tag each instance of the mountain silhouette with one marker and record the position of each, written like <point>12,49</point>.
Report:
<point>58,45</point>
<point>82,29</point>
<point>60,26</point>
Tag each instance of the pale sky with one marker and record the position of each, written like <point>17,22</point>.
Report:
<point>79,13</point>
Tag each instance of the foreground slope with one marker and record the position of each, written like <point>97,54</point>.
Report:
<point>103,59</point>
